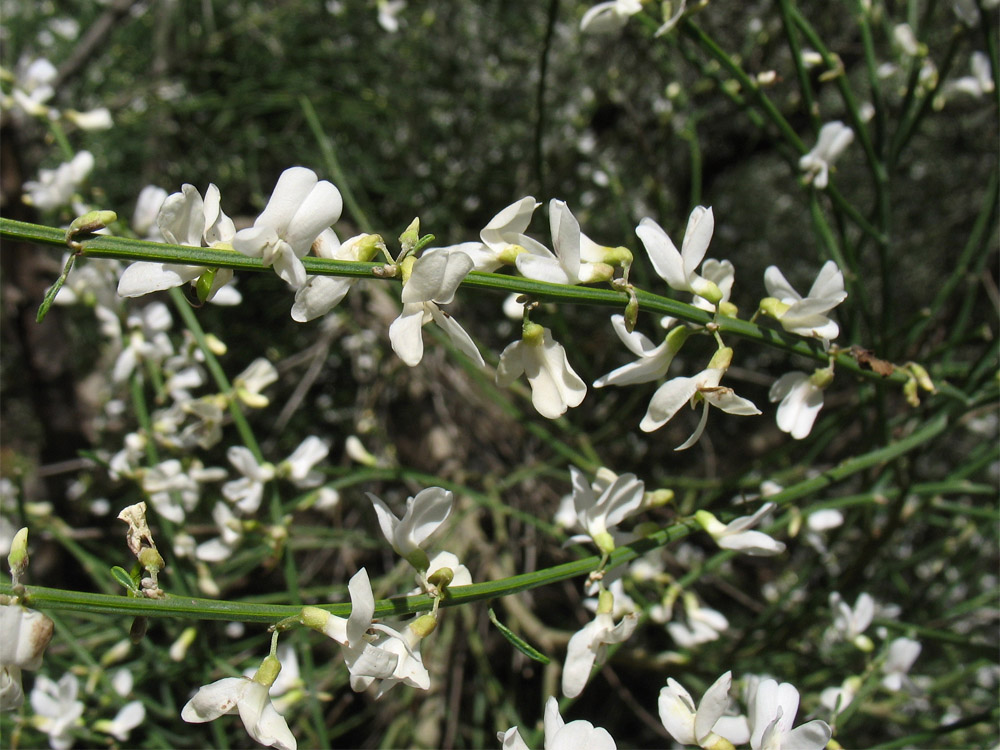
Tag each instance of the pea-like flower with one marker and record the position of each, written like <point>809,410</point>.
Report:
<point>425,512</point>
<point>503,238</point>
<point>801,397</point>
<point>805,315</point>
<point>554,385</point>
<point>589,644</point>
<point>26,633</point>
<point>703,387</point>
<point>249,698</point>
<point>599,513</point>
<point>834,138</point>
<point>772,714</point>
<point>300,208</point>
<point>678,269</point>
<point>577,259</point>
<point>559,735</point>
<point>737,535</point>
<point>707,726</point>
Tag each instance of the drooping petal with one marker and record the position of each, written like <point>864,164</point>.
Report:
<point>362,604</point>
<point>213,700</point>
<point>318,296</point>
<point>458,335</point>
<point>667,401</point>
<point>405,334</point>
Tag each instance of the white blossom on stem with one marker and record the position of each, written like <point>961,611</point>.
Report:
<point>805,315</point>
<point>589,644</point>
<point>185,218</point>
<point>736,535</point>
<point>425,513</point>
<point>678,269</point>
<point>429,281</point>
<point>299,209</point>
<point>250,699</point>
<point>554,385</point>
<point>55,188</point>
<point>599,513</point>
<point>503,238</point>
<point>705,726</point>
<point>772,714</point>
<point>902,653</point>
<point>703,387</point>
<point>56,709</point>
<point>851,622</point>
<point>559,735</point>
<point>654,360</point>
<point>834,137</point>
<point>801,397</point>
<point>577,259</point>
<point>320,294</point>
<point>609,17</point>
<point>131,715</point>
<point>247,492</point>
<point>26,633</point>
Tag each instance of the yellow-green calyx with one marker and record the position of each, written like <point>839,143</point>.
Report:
<point>441,577</point>
<point>728,309</point>
<point>508,256</point>
<point>605,542</point>
<point>714,742</point>
<point>774,307</point>
<point>721,359</point>
<point>418,559</point>
<point>709,522</point>
<point>822,377</point>
<point>423,626</point>
<point>657,498</point>
<point>923,378</point>
<point>268,671</point>
<point>710,291</point>
<point>532,333</point>
<point>406,267</point>
<point>617,256</point>
<point>368,246</point>
<point>605,603</point>
<point>314,617</point>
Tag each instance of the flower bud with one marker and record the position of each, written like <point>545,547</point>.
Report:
<point>151,560</point>
<point>657,498</point>
<point>728,309</point>
<point>90,222</point>
<point>410,236</point>
<point>910,392</point>
<point>179,648</point>
<point>18,557</point>
<point>442,577</point>
<point>203,287</point>
<point>922,377</point>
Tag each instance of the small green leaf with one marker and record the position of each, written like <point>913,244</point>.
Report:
<point>519,643</point>
<point>53,290</point>
<point>122,576</point>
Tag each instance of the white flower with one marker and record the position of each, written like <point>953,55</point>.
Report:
<point>608,17</point>
<point>55,188</point>
<point>851,623</point>
<point>577,259</point>
<point>679,6</point>
<point>26,633</point>
<point>94,119</point>
<point>363,659</point>
<point>503,238</point>
<point>902,653</point>
<point>653,362</point>
<point>554,385</point>
<point>248,385</point>
<point>596,514</point>
<point>171,490</point>
<point>230,533</point>
<point>298,467</point>
<point>672,395</point>
<point>320,294</point>
<point>801,400</point>
<point>836,699</point>
<point>705,725</point>
<point>834,137</point>
<point>425,513</point>
<point>247,697</point>
<point>33,86</point>
<point>704,625</point>
<point>147,208</point>
<point>388,10</point>
<point>247,492</point>
<point>979,83</point>
<point>576,735</point>
<point>589,644</point>
<point>433,279</point>
<point>736,535</point>
<point>131,715</point>
<point>678,269</point>
<point>409,670</point>
<point>299,209</point>
<point>805,315</point>
<point>56,709</point>
<point>185,218</point>
<point>772,714</point>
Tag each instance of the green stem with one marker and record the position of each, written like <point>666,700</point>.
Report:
<point>122,248</point>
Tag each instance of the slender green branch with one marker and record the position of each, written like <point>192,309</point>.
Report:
<point>122,248</point>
